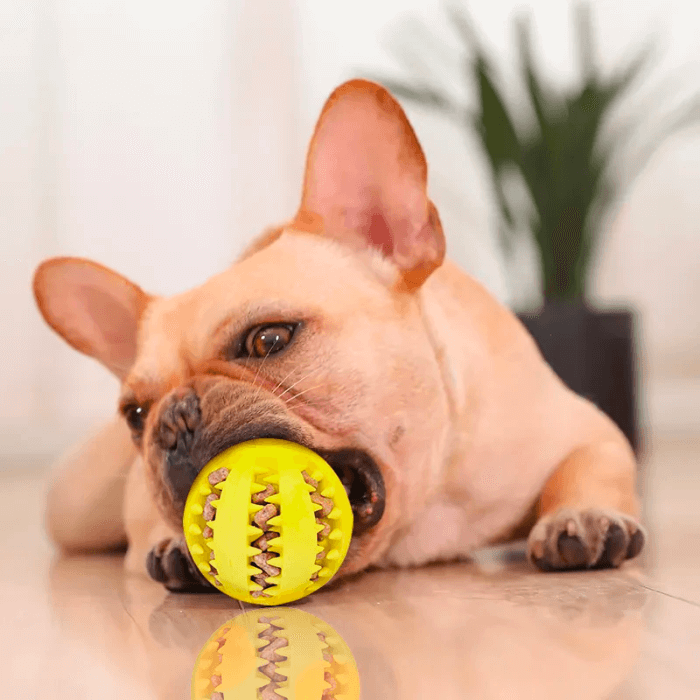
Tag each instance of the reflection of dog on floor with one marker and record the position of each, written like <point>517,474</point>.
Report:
<point>344,330</point>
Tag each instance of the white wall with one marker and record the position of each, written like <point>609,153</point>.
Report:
<point>159,137</point>
<point>21,203</point>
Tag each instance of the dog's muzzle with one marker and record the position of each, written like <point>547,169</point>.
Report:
<point>356,469</point>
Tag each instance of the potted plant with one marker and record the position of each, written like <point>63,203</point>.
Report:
<point>561,150</point>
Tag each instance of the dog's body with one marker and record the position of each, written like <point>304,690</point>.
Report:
<point>344,331</point>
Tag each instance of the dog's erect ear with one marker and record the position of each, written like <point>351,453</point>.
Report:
<point>366,181</point>
<point>94,309</point>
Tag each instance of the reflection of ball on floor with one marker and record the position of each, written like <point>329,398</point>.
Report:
<point>268,522</point>
<point>273,653</point>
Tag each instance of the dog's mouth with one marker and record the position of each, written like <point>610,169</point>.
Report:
<point>363,483</point>
<point>357,470</point>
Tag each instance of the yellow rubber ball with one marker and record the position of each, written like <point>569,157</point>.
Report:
<point>282,653</point>
<point>268,522</point>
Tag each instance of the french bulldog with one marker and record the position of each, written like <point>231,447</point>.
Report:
<point>347,331</point>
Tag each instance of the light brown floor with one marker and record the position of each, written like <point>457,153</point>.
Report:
<point>78,628</point>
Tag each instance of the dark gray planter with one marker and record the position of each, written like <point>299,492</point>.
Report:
<point>593,352</point>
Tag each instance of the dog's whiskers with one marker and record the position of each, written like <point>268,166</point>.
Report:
<point>284,379</point>
<point>255,379</point>
<point>296,396</point>
<point>315,370</point>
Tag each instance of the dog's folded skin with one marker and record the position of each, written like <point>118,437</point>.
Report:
<point>347,332</point>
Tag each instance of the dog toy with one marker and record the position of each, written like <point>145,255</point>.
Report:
<point>268,522</point>
<point>278,653</point>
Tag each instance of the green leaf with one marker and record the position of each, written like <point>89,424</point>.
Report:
<point>536,91</point>
<point>685,116</point>
<point>583,26</point>
<point>494,124</point>
<point>418,34</point>
<point>624,78</point>
<point>547,110</point>
<point>410,52</point>
<point>498,132</point>
<point>465,28</point>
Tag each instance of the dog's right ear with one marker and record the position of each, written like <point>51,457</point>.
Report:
<point>366,182</point>
<point>93,308</point>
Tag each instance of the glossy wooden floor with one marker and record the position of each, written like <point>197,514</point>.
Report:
<point>78,628</point>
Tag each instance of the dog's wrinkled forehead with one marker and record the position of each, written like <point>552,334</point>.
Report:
<point>295,277</point>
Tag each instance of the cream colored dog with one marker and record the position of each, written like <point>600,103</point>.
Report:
<point>346,331</point>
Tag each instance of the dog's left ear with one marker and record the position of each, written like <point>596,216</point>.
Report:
<point>93,308</point>
<point>366,181</point>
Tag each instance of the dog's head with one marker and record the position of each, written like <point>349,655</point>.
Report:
<point>316,335</point>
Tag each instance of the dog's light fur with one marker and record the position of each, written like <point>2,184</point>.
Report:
<point>402,355</point>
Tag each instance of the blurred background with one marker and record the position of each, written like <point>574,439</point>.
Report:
<point>158,138</point>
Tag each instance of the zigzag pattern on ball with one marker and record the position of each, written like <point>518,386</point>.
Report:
<point>261,519</point>
<point>325,510</point>
<point>266,519</point>
<point>209,513</point>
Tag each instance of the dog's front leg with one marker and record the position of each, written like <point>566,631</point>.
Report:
<point>86,496</point>
<point>588,511</point>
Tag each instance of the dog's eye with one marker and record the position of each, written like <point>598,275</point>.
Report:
<point>263,341</point>
<point>135,416</point>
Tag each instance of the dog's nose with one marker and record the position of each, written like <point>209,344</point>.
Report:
<point>175,434</point>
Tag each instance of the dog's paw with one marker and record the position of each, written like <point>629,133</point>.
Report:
<point>586,539</point>
<point>169,563</point>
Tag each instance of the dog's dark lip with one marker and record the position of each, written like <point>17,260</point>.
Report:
<point>363,482</point>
